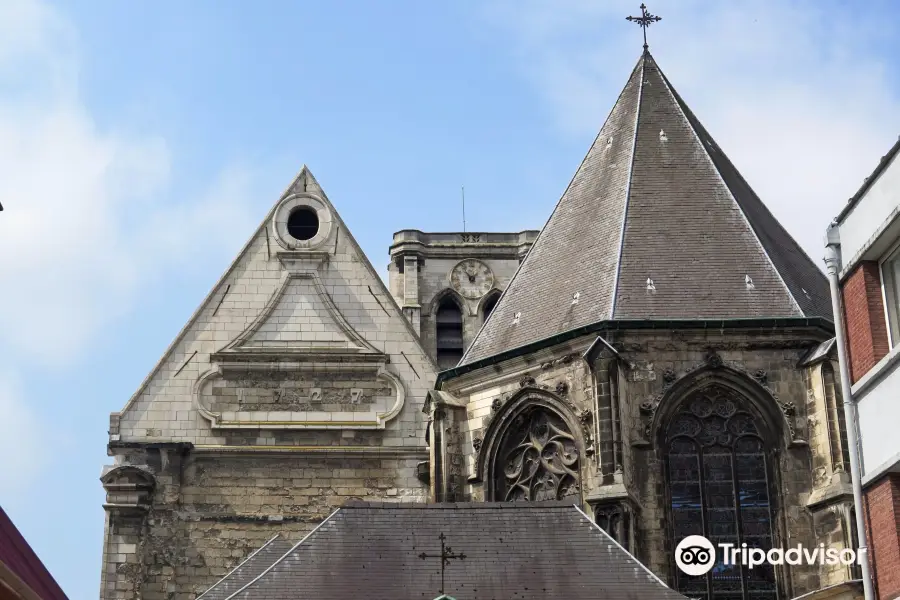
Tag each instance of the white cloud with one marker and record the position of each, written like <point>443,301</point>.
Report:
<point>87,218</point>
<point>795,92</point>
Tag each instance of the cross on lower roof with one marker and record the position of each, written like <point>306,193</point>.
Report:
<point>644,21</point>
<point>445,556</point>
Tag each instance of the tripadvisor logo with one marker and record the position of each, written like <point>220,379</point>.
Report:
<point>695,555</point>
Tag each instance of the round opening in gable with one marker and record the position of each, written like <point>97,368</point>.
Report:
<point>303,223</point>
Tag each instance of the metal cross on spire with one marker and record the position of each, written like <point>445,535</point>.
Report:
<point>644,21</point>
<point>445,556</point>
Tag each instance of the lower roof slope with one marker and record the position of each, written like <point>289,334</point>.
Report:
<point>656,224</point>
<point>248,570</point>
<point>526,550</point>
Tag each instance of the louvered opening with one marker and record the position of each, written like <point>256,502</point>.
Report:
<point>449,334</point>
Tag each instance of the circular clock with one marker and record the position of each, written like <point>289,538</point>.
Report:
<point>472,278</point>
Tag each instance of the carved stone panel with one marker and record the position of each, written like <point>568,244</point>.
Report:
<point>538,459</point>
<point>364,397</point>
<point>294,391</point>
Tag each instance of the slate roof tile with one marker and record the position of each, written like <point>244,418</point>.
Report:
<point>654,199</point>
<point>512,550</point>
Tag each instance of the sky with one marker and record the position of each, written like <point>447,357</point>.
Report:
<point>141,143</point>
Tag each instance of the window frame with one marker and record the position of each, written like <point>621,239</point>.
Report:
<point>886,296</point>
<point>769,453</point>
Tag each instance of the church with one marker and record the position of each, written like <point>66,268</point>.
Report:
<point>561,406</point>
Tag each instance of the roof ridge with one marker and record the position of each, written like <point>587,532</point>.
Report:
<point>544,504</point>
<point>620,546</point>
<point>285,555</point>
<point>637,119</point>
<point>537,239</point>
<point>677,99</point>
<point>238,566</point>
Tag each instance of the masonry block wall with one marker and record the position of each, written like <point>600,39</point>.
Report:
<point>297,384</point>
<point>867,336</point>
<point>419,274</point>
<point>653,366</point>
<point>209,511</point>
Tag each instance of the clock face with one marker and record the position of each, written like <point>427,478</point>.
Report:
<point>472,278</point>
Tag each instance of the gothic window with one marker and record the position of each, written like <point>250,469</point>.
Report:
<point>489,305</point>
<point>834,415</point>
<point>616,521</point>
<point>448,333</point>
<point>719,488</point>
<point>538,459</point>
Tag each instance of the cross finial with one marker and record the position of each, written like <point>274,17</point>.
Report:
<point>644,21</point>
<point>445,556</point>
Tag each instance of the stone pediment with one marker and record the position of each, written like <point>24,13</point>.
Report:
<point>299,318</point>
<point>299,365</point>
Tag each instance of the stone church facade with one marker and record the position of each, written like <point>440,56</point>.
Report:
<point>661,354</point>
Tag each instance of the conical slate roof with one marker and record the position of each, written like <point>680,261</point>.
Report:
<point>656,224</point>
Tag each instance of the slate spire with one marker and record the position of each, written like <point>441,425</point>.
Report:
<point>656,224</point>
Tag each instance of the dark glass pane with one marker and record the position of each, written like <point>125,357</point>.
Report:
<point>719,488</point>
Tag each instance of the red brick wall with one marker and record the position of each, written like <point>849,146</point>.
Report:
<point>883,533</point>
<point>867,336</point>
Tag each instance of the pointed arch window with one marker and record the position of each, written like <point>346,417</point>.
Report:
<point>719,487</point>
<point>448,333</point>
<point>538,459</point>
<point>489,304</point>
<point>834,417</point>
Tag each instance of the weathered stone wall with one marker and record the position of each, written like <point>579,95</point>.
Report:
<point>296,385</point>
<point>770,360</point>
<point>208,512</point>
<point>433,256</point>
<point>627,390</point>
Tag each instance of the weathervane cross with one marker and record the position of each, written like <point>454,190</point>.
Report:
<point>445,556</point>
<point>644,21</point>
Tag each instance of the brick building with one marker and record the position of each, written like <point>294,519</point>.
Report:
<point>660,355</point>
<point>865,264</point>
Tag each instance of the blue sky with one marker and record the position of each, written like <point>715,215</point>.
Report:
<point>142,142</point>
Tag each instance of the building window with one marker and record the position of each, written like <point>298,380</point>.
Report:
<point>890,277</point>
<point>719,488</point>
<point>615,519</point>
<point>303,223</point>
<point>834,416</point>
<point>489,305</point>
<point>537,459</point>
<point>448,333</point>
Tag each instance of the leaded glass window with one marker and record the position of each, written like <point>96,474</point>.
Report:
<point>719,488</point>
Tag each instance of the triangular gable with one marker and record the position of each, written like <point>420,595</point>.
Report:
<point>398,547</point>
<point>298,333</point>
<point>283,324</point>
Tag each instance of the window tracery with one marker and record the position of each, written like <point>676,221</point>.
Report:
<point>538,459</point>
<point>718,477</point>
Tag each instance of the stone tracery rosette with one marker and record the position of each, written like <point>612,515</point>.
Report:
<point>539,458</point>
<point>715,371</point>
<point>531,448</point>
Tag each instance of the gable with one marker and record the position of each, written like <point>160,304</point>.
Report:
<point>300,317</point>
<point>297,334</point>
<point>396,549</point>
